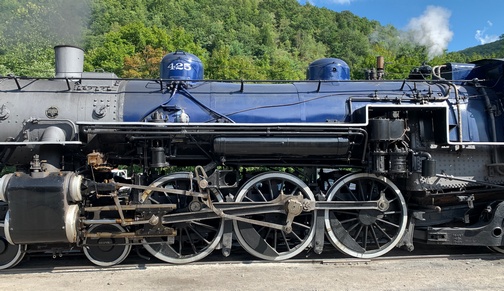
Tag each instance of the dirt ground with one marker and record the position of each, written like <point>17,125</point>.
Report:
<point>411,274</point>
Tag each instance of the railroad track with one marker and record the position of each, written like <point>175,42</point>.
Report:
<point>78,262</point>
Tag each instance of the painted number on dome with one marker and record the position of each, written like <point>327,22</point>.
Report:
<point>179,67</point>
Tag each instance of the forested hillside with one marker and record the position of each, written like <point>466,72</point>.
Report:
<point>493,49</point>
<point>236,39</point>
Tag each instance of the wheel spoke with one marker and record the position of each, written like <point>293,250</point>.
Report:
<point>286,241</point>
<point>181,240</point>
<point>383,231</point>
<point>204,225</point>
<point>388,222</point>
<point>153,200</point>
<point>189,238</point>
<point>261,229</point>
<point>371,191</point>
<point>248,198</point>
<point>358,232</point>
<point>392,200</point>
<point>271,190</point>
<point>351,192</point>
<point>296,236</point>
<point>353,226</point>
<point>260,193</point>
<point>268,233</point>
<point>348,220</point>
<point>360,189</point>
<point>373,233</point>
<point>199,235</point>
<point>275,239</point>
<point>301,225</point>
<point>391,212</point>
<point>366,237</point>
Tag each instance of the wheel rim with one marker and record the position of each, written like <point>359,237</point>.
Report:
<point>268,243</point>
<point>10,255</point>
<point>195,239</point>
<point>106,252</point>
<point>366,233</point>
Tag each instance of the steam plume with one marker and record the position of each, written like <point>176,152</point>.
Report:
<point>432,30</point>
<point>45,23</point>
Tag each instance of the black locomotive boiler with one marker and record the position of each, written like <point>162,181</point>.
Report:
<point>278,167</point>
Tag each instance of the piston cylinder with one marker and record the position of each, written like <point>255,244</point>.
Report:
<point>40,209</point>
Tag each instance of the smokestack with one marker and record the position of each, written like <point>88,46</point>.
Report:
<point>69,61</point>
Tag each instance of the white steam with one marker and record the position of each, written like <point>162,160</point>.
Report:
<point>484,38</point>
<point>431,30</point>
<point>44,24</point>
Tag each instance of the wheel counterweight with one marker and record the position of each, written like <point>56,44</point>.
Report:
<point>366,233</point>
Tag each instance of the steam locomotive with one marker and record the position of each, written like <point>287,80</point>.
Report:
<point>276,167</point>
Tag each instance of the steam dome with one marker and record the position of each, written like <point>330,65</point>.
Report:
<point>328,69</point>
<point>181,66</point>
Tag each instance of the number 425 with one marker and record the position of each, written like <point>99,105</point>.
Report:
<point>179,66</point>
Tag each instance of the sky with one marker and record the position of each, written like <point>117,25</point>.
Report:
<point>444,24</point>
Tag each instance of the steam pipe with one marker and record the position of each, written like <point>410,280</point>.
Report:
<point>459,113</point>
<point>203,106</point>
<point>51,153</point>
<point>493,132</point>
<point>436,71</point>
<point>164,103</point>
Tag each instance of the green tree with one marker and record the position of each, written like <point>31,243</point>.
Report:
<point>30,30</point>
<point>130,50</point>
<point>236,39</point>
